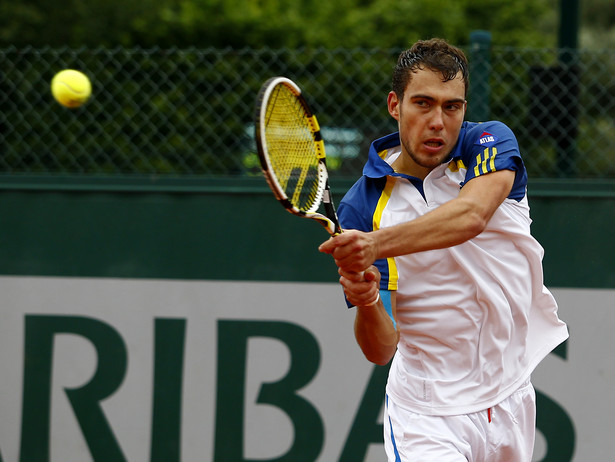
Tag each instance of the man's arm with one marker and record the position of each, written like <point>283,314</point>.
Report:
<point>451,224</point>
<point>375,329</point>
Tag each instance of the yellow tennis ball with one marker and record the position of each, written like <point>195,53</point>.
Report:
<point>71,88</point>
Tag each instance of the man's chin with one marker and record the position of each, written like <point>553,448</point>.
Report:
<point>431,162</point>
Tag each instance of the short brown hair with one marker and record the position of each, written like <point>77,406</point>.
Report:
<point>434,54</point>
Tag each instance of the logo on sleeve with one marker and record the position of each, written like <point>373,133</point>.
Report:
<point>487,139</point>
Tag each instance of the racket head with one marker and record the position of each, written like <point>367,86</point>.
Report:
<point>292,153</point>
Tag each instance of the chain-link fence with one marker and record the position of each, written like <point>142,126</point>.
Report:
<point>172,112</point>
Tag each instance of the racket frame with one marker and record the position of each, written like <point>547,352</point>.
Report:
<point>323,194</point>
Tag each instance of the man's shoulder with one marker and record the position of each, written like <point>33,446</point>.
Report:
<point>486,133</point>
<point>364,189</point>
<point>359,204</point>
<point>494,136</point>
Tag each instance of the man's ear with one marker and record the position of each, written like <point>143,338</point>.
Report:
<point>393,104</point>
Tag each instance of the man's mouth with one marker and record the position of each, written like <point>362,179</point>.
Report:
<point>434,143</point>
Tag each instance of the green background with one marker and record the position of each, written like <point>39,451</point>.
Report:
<point>234,230</point>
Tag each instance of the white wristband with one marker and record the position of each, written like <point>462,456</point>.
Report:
<point>375,301</point>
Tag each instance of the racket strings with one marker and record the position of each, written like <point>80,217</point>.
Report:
<point>293,155</point>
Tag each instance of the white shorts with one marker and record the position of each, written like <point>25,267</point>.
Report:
<point>503,433</point>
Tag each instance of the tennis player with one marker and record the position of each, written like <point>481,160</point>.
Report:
<point>454,290</point>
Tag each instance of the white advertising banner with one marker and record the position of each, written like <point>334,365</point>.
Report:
<point>193,371</point>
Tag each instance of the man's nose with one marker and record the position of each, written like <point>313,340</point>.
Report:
<point>437,120</point>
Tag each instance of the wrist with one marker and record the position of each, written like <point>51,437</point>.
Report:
<point>379,237</point>
<point>376,300</point>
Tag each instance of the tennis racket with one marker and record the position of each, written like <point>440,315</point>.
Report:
<point>292,152</point>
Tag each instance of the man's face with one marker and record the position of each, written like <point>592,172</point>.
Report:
<point>429,118</point>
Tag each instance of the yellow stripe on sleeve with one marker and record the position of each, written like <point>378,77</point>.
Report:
<point>494,152</point>
<point>478,162</point>
<point>485,161</point>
